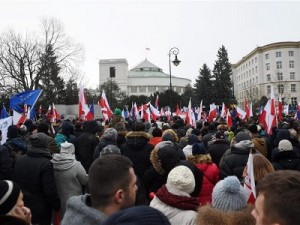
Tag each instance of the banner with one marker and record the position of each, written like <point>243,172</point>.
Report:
<point>4,124</point>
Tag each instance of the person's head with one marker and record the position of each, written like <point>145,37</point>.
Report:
<point>112,183</point>
<point>110,134</point>
<point>67,128</point>
<point>12,132</point>
<point>10,197</point>
<point>117,112</point>
<point>156,132</point>
<point>285,145</point>
<point>67,148</point>
<point>262,166</point>
<point>278,198</point>
<point>38,140</point>
<point>229,195</point>
<point>170,135</point>
<point>43,127</point>
<point>110,149</point>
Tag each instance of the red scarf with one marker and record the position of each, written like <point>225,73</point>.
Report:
<point>176,201</point>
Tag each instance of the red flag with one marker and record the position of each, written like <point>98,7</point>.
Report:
<point>188,118</point>
<point>105,109</point>
<point>83,107</point>
<point>200,111</point>
<point>154,112</point>
<point>212,112</point>
<point>229,119</point>
<point>224,111</point>
<point>247,108</point>
<point>279,115</point>
<point>156,102</point>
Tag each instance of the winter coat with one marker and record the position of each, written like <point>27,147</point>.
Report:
<point>6,164</point>
<point>210,216</point>
<point>211,176</point>
<point>217,149</point>
<point>35,174</point>
<point>121,138</point>
<point>260,144</point>
<point>176,216</point>
<point>80,213</point>
<point>234,161</point>
<point>70,176</point>
<point>286,160</point>
<point>84,149</point>
<point>154,140</point>
<point>138,151</point>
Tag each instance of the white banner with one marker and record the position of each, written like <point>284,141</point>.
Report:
<point>4,124</point>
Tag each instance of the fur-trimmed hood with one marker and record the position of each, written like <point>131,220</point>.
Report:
<point>209,216</point>
<point>206,158</point>
<point>137,139</point>
<point>135,134</point>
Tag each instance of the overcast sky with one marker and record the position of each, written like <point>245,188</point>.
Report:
<point>123,29</point>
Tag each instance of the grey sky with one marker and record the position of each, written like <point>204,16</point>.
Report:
<point>123,29</point>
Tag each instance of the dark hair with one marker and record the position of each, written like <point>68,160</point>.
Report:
<point>12,220</point>
<point>156,132</point>
<point>107,174</point>
<point>138,126</point>
<point>281,197</point>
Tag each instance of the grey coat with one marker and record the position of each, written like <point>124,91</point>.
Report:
<point>70,176</point>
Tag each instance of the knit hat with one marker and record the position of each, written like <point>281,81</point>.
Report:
<point>117,112</point>
<point>39,140</point>
<point>180,179</point>
<point>198,149</point>
<point>137,215</point>
<point>285,145</point>
<point>120,126</point>
<point>241,136</point>
<point>67,128</point>
<point>12,131</point>
<point>110,134</point>
<point>167,137</point>
<point>67,147</point>
<point>32,128</point>
<point>110,149</point>
<point>9,194</point>
<point>229,195</point>
<point>192,139</point>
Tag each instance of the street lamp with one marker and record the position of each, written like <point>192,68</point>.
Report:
<point>173,51</point>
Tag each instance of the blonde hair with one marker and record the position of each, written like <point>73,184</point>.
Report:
<point>261,167</point>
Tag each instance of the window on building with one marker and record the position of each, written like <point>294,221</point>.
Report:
<point>151,89</point>
<point>291,53</point>
<point>294,101</point>
<point>267,56</point>
<point>268,89</point>
<point>134,89</point>
<point>279,65</point>
<point>161,88</point>
<point>256,69</point>
<point>268,66</point>
<point>255,59</point>
<point>280,88</point>
<point>291,64</point>
<point>268,77</point>
<point>293,87</point>
<point>257,80</point>
<point>278,54</point>
<point>142,88</point>
<point>292,75</point>
<point>279,76</point>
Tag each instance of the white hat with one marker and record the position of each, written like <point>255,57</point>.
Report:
<point>67,147</point>
<point>180,179</point>
<point>285,145</point>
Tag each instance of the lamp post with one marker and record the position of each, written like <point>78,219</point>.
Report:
<point>173,51</point>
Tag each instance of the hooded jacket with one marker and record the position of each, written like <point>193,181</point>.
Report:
<point>79,212</point>
<point>138,150</point>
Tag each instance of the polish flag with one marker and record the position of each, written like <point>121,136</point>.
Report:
<point>188,118</point>
<point>279,115</point>
<point>286,109</point>
<point>147,115</point>
<point>249,184</point>
<point>83,107</point>
<point>162,112</point>
<point>240,113</point>
<point>135,112</point>
<point>55,114</point>
<point>229,119</point>
<point>251,111</point>
<point>49,114</point>
<point>212,112</point>
<point>200,111</point>
<point>154,112</point>
<point>223,111</point>
<point>268,115</point>
<point>247,108</point>
<point>105,109</point>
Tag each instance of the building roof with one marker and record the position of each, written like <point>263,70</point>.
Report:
<point>146,66</point>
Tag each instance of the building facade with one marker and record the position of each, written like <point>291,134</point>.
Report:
<point>274,65</point>
<point>144,79</point>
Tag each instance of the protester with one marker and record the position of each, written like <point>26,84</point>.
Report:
<point>156,136</point>
<point>109,137</point>
<point>122,132</point>
<point>218,147</point>
<point>11,201</point>
<point>70,176</point>
<point>187,150</point>
<point>278,198</point>
<point>35,174</point>
<point>117,117</point>
<point>52,146</point>
<point>260,143</point>
<point>65,134</point>
<point>174,200</point>
<point>112,186</point>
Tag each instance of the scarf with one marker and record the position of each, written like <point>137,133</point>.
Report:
<point>176,201</point>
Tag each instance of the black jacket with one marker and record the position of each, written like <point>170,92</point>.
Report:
<point>286,160</point>
<point>35,175</point>
<point>6,164</point>
<point>217,149</point>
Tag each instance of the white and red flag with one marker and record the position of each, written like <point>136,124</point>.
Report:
<point>188,118</point>
<point>55,114</point>
<point>223,111</point>
<point>83,106</point>
<point>105,109</point>
<point>268,115</point>
<point>249,182</point>
<point>229,119</point>
<point>200,111</point>
<point>156,102</point>
<point>240,113</point>
<point>154,112</point>
<point>212,112</point>
<point>247,108</point>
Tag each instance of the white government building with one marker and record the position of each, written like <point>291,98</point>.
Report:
<point>144,79</point>
<point>275,64</point>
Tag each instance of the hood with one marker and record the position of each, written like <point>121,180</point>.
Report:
<point>17,143</point>
<point>200,159</point>
<point>63,161</point>
<point>260,140</point>
<point>137,139</point>
<point>209,215</point>
<point>39,152</point>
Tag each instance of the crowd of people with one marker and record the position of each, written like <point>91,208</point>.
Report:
<point>137,172</point>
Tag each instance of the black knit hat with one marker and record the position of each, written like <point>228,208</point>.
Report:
<point>9,194</point>
<point>12,131</point>
<point>137,215</point>
<point>43,127</point>
<point>39,140</point>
